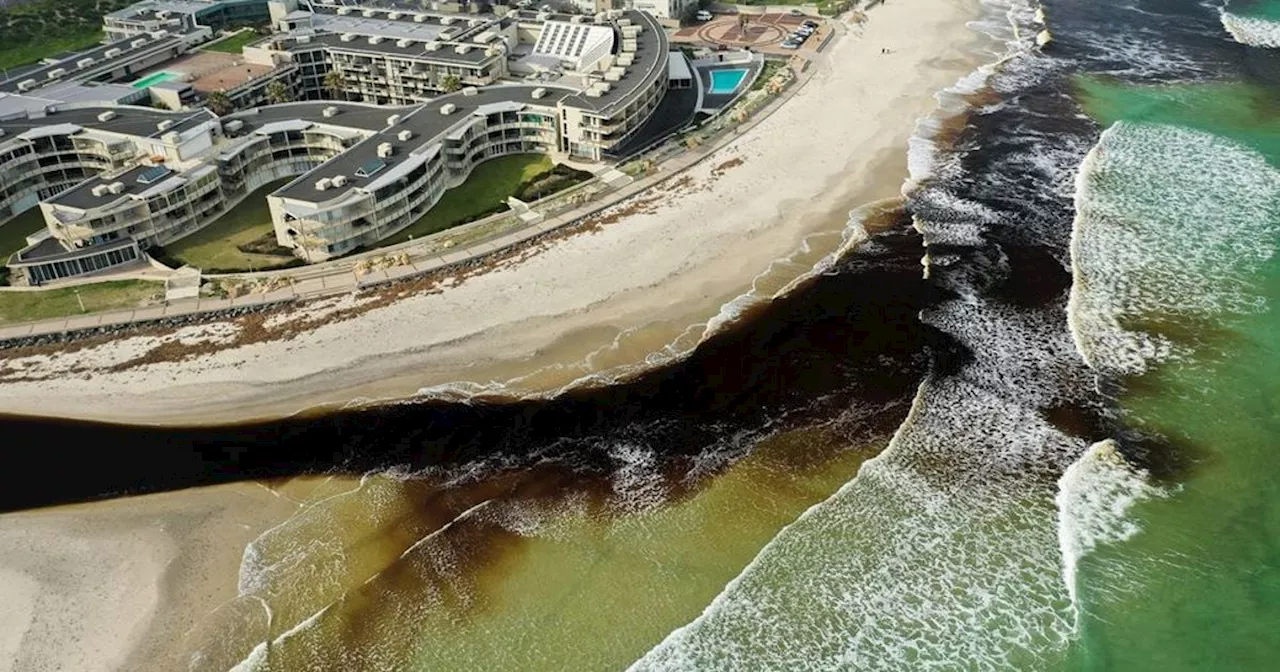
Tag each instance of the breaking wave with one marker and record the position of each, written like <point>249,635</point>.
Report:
<point>1095,495</point>
<point>941,549</point>
<point>1171,223</point>
<point>1251,30</point>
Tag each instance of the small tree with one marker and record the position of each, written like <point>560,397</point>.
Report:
<point>278,93</point>
<point>450,83</point>
<point>219,102</point>
<point>334,85</point>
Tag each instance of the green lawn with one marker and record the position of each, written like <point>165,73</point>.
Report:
<point>13,233</point>
<point>233,44</point>
<point>34,29</point>
<point>215,248</point>
<point>13,54</point>
<point>488,186</point>
<point>61,302</point>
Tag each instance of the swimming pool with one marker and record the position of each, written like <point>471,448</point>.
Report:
<point>727,81</point>
<point>155,78</point>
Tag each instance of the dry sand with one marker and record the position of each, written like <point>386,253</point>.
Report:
<point>595,301</point>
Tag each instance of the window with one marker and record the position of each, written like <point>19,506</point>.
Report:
<point>153,174</point>
<point>370,168</point>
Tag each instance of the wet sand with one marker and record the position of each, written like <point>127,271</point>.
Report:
<point>116,585</point>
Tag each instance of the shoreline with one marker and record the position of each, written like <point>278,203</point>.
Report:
<point>596,303</point>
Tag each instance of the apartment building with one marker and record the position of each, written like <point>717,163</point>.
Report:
<point>112,182</point>
<point>110,62</point>
<point>388,56</point>
<point>391,178</point>
<point>182,16</point>
<point>106,180</point>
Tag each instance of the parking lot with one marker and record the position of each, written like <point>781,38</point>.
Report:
<point>765,32</point>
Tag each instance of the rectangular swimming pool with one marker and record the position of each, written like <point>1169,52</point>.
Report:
<point>726,81</point>
<point>155,78</point>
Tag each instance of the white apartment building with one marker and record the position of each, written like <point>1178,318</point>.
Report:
<point>112,182</point>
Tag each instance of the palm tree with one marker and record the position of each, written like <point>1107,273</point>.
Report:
<point>278,93</point>
<point>334,85</point>
<point>450,83</point>
<point>219,102</point>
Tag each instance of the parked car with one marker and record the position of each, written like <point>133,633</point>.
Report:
<point>804,30</point>
<point>791,43</point>
<point>703,15</point>
<point>811,24</point>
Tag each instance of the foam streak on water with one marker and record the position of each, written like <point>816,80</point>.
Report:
<point>1170,222</point>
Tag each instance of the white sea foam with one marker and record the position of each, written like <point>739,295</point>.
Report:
<point>1095,495</point>
<point>942,549</point>
<point>1170,223</point>
<point>256,660</point>
<point>637,483</point>
<point>1251,30</point>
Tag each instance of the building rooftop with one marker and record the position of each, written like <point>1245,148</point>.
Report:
<point>416,49</point>
<point>362,116</point>
<point>648,64</point>
<point>98,56</point>
<point>149,8</point>
<point>130,120</point>
<point>50,250</point>
<point>139,181</point>
<point>397,17</point>
<point>65,94</point>
<point>425,122</point>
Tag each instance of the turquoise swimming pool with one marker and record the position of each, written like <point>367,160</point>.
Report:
<point>155,78</point>
<point>727,81</point>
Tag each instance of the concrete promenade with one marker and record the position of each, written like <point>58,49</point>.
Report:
<point>339,277</point>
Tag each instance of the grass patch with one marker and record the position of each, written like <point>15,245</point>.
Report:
<point>771,68</point>
<point>221,246</point>
<point>485,192</point>
<point>43,304</point>
<point>16,54</point>
<point>30,31</point>
<point>13,233</point>
<point>233,44</point>
<point>557,179</point>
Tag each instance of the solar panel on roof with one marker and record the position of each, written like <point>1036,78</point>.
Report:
<point>153,174</point>
<point>370,167</point>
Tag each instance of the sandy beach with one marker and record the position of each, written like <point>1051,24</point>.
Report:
<point>117,585</point>
<point>760,210</point>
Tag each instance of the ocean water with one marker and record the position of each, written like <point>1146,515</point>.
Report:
<point>1027,423</point>
<point>1199,587</point>
<point>1253,22</point>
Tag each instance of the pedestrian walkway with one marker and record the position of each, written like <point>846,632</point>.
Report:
<point>340,276</point>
